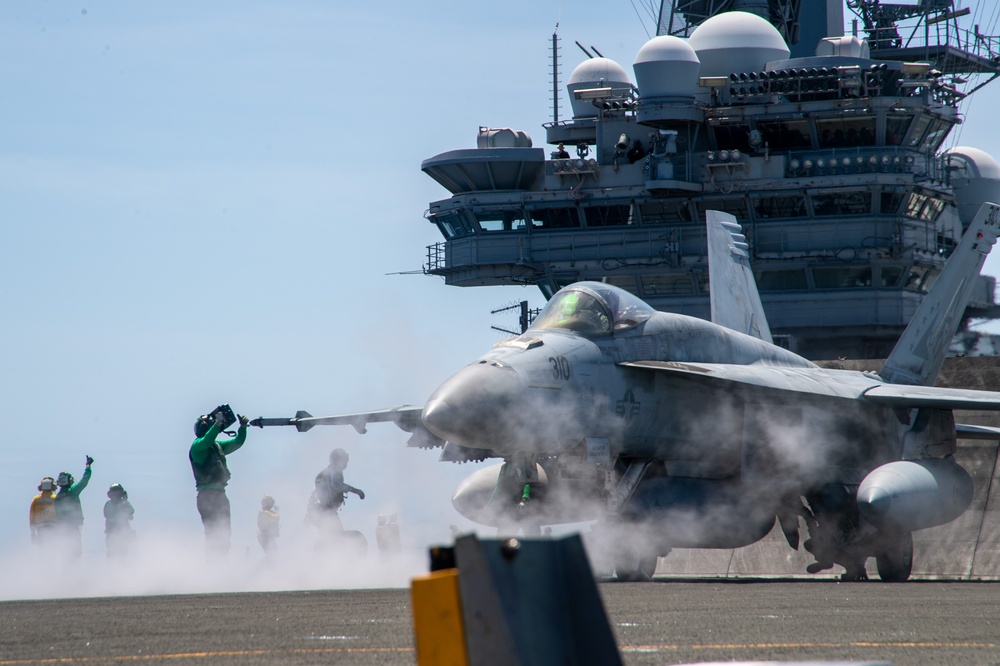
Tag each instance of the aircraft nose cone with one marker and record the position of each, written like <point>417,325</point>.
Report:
<point>874,503</point>
<point>476,407</point>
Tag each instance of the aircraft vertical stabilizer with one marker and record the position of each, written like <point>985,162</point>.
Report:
<point>919,354</point>
<point>734,297</point>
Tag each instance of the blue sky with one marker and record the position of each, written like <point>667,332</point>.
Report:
<point>206,202</point>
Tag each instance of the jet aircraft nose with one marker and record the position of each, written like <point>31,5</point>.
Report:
<point>477,407</point>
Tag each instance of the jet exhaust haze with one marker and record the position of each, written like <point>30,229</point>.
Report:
<point>675,432</point>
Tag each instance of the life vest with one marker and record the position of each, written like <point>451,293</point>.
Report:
<point>213,470</point>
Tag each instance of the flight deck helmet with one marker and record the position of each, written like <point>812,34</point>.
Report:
<point>117,491</point>
<point>267,503</point>
<point>202,425</point>
<point>47,484</point>
<point>64,479</point>
<point>339,458</point>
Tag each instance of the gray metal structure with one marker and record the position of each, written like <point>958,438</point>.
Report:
<point>676,432</point>
<point>826,148</point>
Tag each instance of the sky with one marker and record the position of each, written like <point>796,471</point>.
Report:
<point>206,203</point>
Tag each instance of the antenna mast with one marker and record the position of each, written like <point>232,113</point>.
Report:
<point>555,74</point>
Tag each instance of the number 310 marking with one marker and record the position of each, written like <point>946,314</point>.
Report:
<point>560,367</point>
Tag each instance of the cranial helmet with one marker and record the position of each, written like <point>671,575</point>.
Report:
<point>267,503</point>
<point>569,304</point>
<point>64,479</point>
<point>202,425</point>
<point>117,491</point>
<point>338,455</point>
<point>48,483</point>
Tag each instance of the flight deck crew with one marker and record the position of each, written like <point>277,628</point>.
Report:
<point>69,512</point>
<point>118,514</point>
<point>211,474</point>
<point>42,515</point>
<point>331,491</point>
<point>268,525</point>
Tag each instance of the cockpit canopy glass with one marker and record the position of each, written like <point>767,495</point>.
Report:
<point>593,308</point>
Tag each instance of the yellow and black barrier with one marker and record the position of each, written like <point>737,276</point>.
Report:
<point>511,601</point>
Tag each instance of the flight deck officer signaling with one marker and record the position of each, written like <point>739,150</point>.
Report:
<point>211,474</point>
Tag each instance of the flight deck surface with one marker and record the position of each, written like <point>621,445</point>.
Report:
<point>664,622</point>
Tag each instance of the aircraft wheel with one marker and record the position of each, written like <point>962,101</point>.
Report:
<point>895,558</point>
<point>632,568</point>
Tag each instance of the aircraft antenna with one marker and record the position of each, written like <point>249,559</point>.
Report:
<point>526,316</point>
<point>555,75</point>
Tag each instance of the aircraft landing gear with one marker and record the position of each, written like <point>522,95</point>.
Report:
<point>835,536</point>
<point>894,557</point>
<point>630,567</point>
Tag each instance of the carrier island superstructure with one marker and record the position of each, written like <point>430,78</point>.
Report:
<point>828,148</point>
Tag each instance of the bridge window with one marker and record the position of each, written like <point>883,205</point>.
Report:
<point>608,216</point>
<point>846,132</point>
<point>735,207</point>
<point>920,278</point>
<point>451,226</point>
<point>935,135</point>
<point>781,280</point>
<point>923,207</point>
<point>667,285</point>
<point>661,211</point>
<point>918,129</point>
<point>770,208</point>
<point>889,276</point>
<point>842,203</point>
<point>786,134</point>
<point>889,202</point>
<point>501,220</point>
<point>555,218</point>
<point>848,277</point>
<point>895,129</point>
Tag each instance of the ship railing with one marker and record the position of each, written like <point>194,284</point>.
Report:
<point>436,259</point>
<point>951,48</point>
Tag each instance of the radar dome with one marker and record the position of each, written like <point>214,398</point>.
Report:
<point>666,67</point>
<point>975,175</point>
<point>736,42</point>
<point>596,73</point>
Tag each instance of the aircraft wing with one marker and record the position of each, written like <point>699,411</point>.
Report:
<point>832,383</point>
<point>966,431</point>
<point>818,381</point>
<point>906,396</point>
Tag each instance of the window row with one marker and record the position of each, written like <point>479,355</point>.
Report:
<point>918,132</point>
<point>887,276</point>
<point>919,205</point>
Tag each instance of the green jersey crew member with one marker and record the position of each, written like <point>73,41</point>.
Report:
<point>69,512</point>
<point>211,474</point>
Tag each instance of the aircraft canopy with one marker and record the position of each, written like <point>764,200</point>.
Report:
<point>593,308</point>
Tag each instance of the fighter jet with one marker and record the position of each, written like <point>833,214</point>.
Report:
<point>700,434</point>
